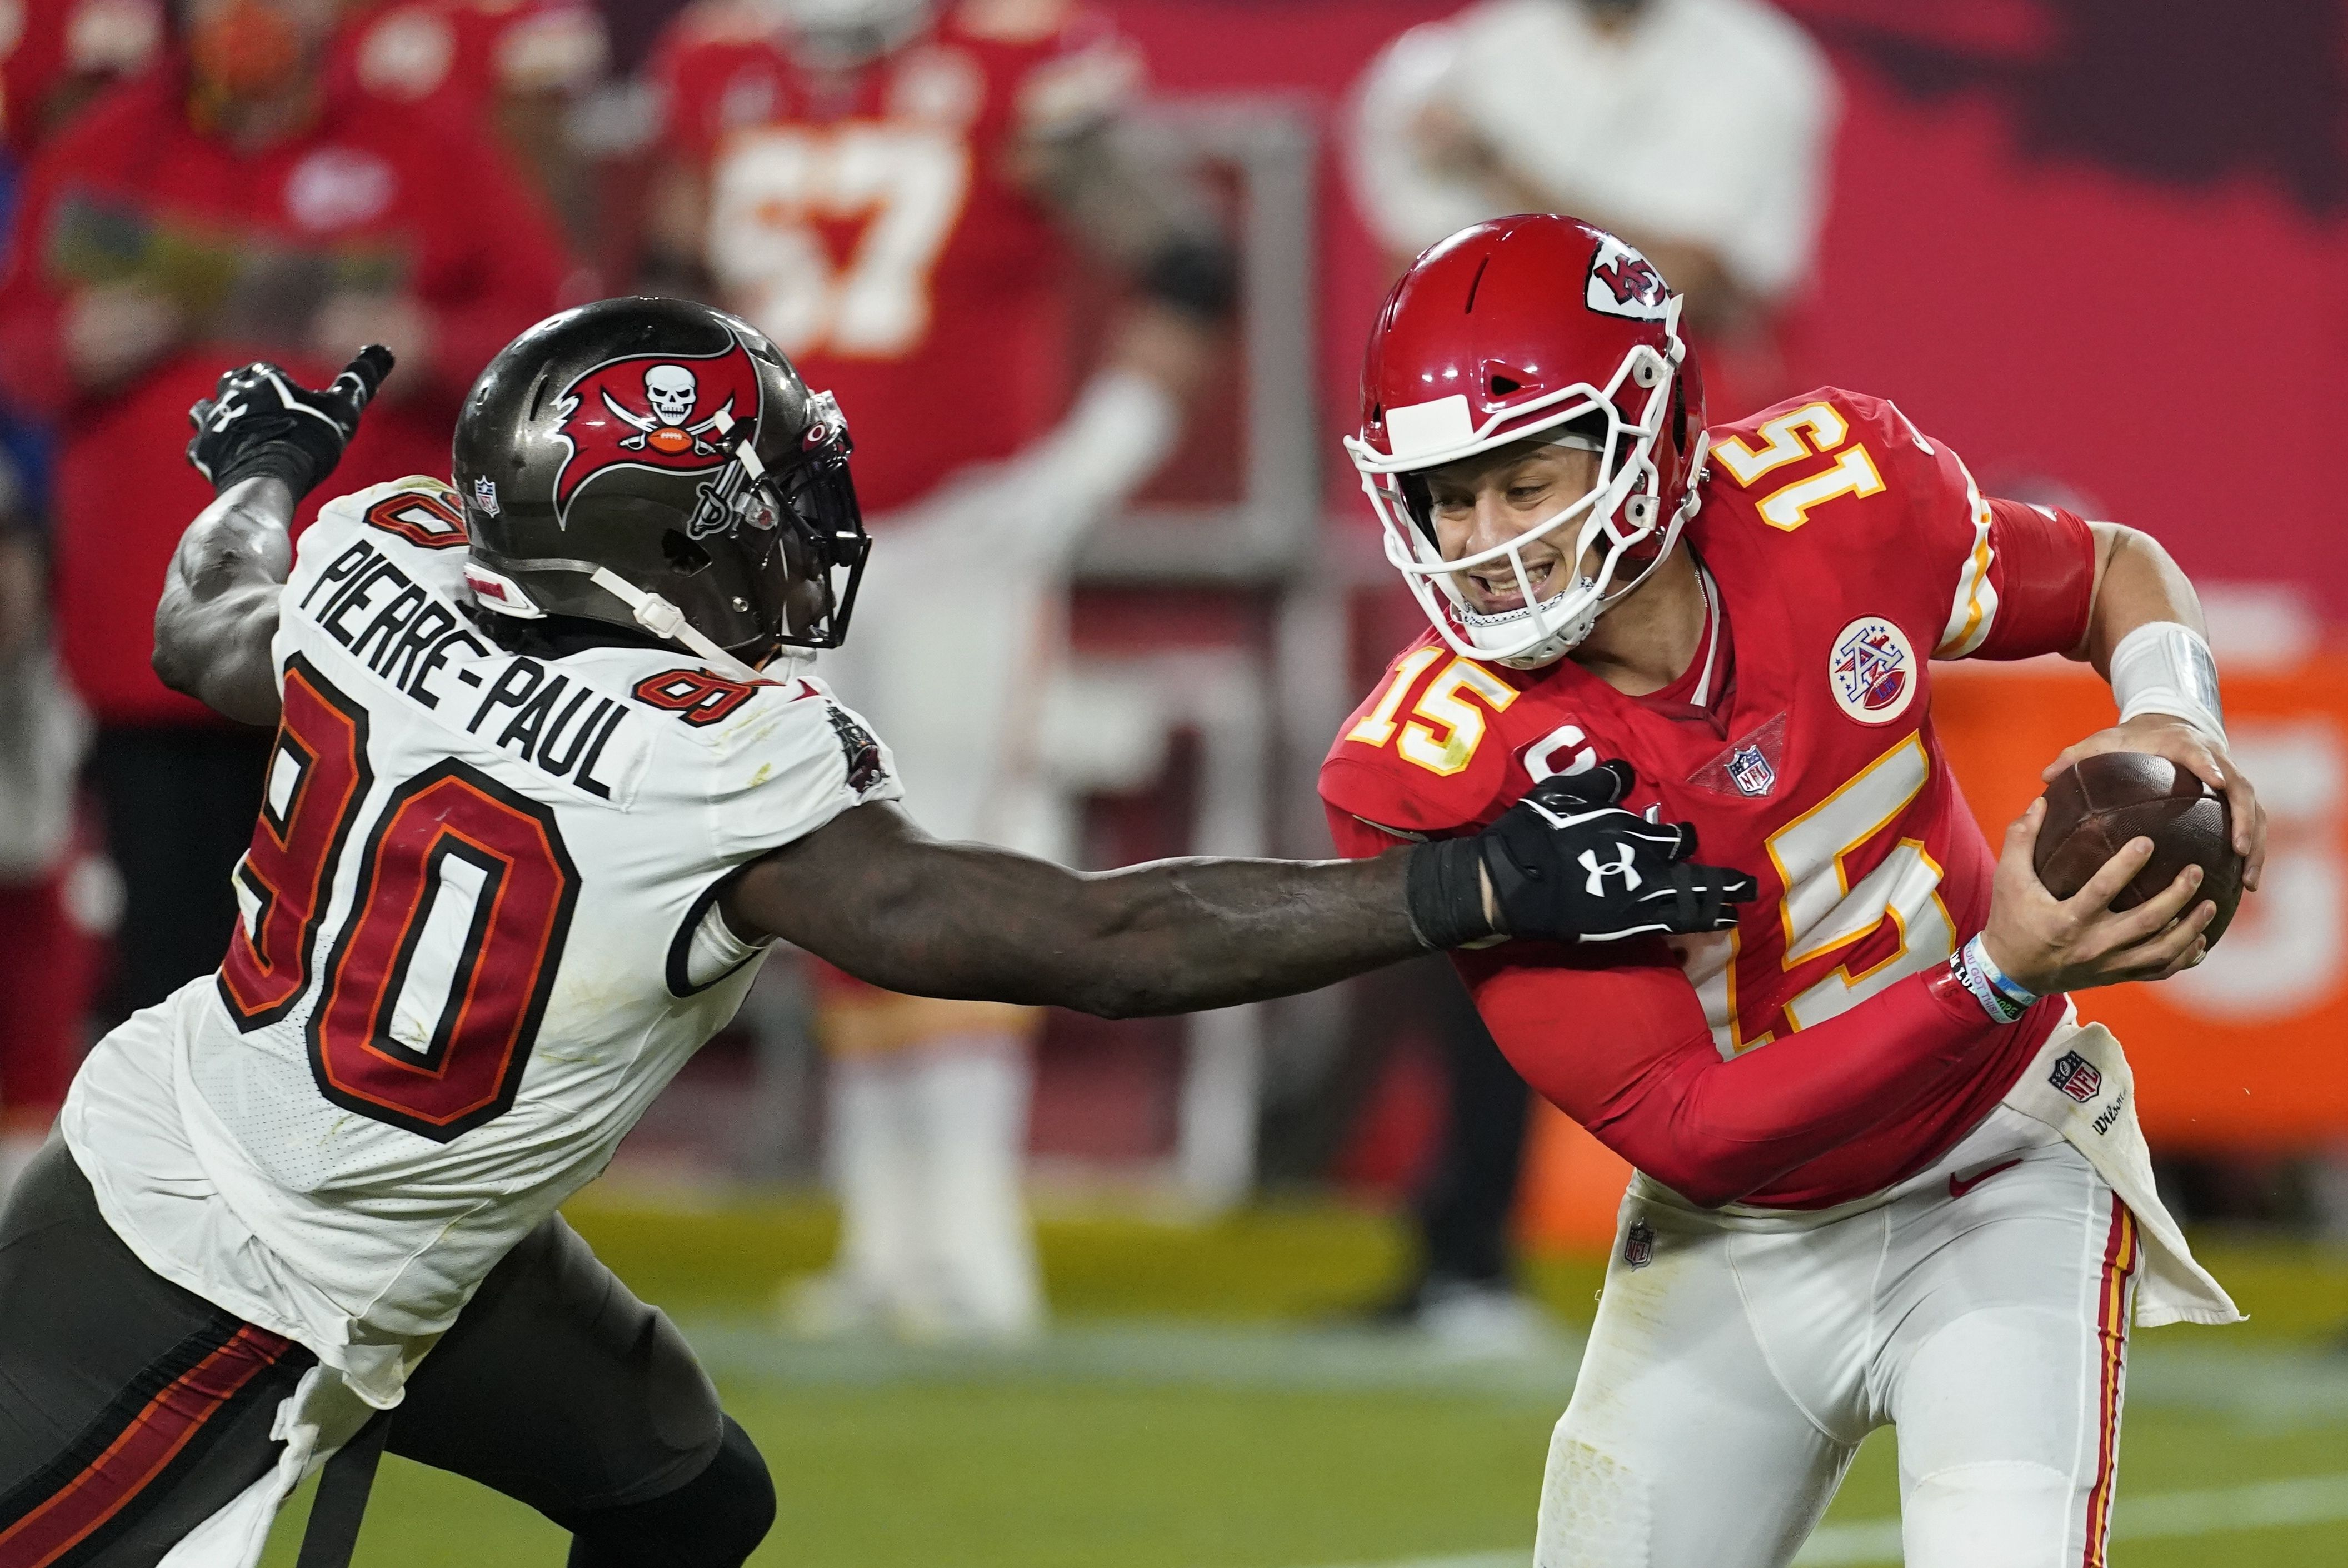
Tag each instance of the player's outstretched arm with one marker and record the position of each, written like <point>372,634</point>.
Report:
<point>874,894</point>
<point>265,443</point>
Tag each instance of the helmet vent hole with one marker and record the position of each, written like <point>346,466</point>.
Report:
<point>538,390</point>
<point>683,555</point>
<point>1476,282</point>
<point>1502,385</point>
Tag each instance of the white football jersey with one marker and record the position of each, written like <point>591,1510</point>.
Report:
<point>478,937</point>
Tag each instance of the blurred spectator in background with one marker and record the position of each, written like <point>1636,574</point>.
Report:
<point>1698,129</point>
<point>48,954</point>
<point>517,67</point>
<point>224,207</point>
<point>883,186</point>
<point>60,54</point>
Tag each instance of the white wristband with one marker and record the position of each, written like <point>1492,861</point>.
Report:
<point>2163,666</point>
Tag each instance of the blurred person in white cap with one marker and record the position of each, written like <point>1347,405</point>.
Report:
<point>1698,129</point>
<point>890,189</point>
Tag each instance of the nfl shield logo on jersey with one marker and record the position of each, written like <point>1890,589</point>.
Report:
<point>1639,1244</point>
<point>1750,771</point>
<point>1872,670</point>
<point>2077,1076</point>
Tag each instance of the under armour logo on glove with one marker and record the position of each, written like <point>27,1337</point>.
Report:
<point>1640,880</point>
<point>1627,867</point>
<point>258,422</point>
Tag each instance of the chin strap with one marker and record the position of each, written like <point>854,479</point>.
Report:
<point>663,619</point>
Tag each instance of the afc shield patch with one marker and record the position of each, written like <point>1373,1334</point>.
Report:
<point>1639,1244</point>
<point>2076,1075</point>
<point>1872,670</point>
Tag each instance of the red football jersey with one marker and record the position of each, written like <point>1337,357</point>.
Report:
<point>873,225</point>
<point>1845,551</point>
<point>459,56</point>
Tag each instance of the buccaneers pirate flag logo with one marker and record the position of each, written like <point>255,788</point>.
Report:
<point>667,412</point>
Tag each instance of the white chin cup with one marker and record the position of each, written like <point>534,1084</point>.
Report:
<point>1501,638</point>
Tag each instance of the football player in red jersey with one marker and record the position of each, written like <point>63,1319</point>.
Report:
<point>1746,616</point>
<point>883,187</point>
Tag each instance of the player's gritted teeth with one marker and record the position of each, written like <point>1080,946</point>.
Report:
<point>1480,503</point>
<point>1494,589</point>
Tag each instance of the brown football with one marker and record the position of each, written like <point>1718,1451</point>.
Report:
<point>2101,802</point>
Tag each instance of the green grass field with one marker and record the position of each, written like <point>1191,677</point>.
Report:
<point>1197,1408</point>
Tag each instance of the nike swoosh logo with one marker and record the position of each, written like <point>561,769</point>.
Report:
<point>1959,1186</point>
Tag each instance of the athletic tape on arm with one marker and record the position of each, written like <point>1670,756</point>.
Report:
<point>2165,666</point>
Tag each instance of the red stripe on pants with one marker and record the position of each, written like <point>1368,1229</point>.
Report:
<point>2121,1255</point>
<point>148,1443</point>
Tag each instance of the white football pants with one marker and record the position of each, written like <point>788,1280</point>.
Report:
<point>928,1144</point>
<point>1738,1359</point>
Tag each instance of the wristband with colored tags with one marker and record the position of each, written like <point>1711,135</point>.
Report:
<point>2004,999</point>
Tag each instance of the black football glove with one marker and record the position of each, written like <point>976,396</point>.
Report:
<point>257,422</point>
<point>1569,864</point>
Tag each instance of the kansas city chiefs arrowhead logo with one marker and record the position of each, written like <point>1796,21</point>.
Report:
<point>1624,283</point>
<point>667,412</point>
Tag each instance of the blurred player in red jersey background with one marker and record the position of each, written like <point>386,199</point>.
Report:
<point>57,893</point>
<point>223,206</point>
<point>516,67</point>
<point>890,189</point>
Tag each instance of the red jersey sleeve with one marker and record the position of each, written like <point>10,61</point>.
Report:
<point>1407,764</point>
<point>2042,578</point>
<point>1615,1037</point>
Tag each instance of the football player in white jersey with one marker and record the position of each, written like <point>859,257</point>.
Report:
<point>547,783</point>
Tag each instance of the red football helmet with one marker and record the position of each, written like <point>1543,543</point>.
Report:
<point>1504,330</point>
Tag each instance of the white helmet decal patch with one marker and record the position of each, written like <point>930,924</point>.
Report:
<point>1624,283</point>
